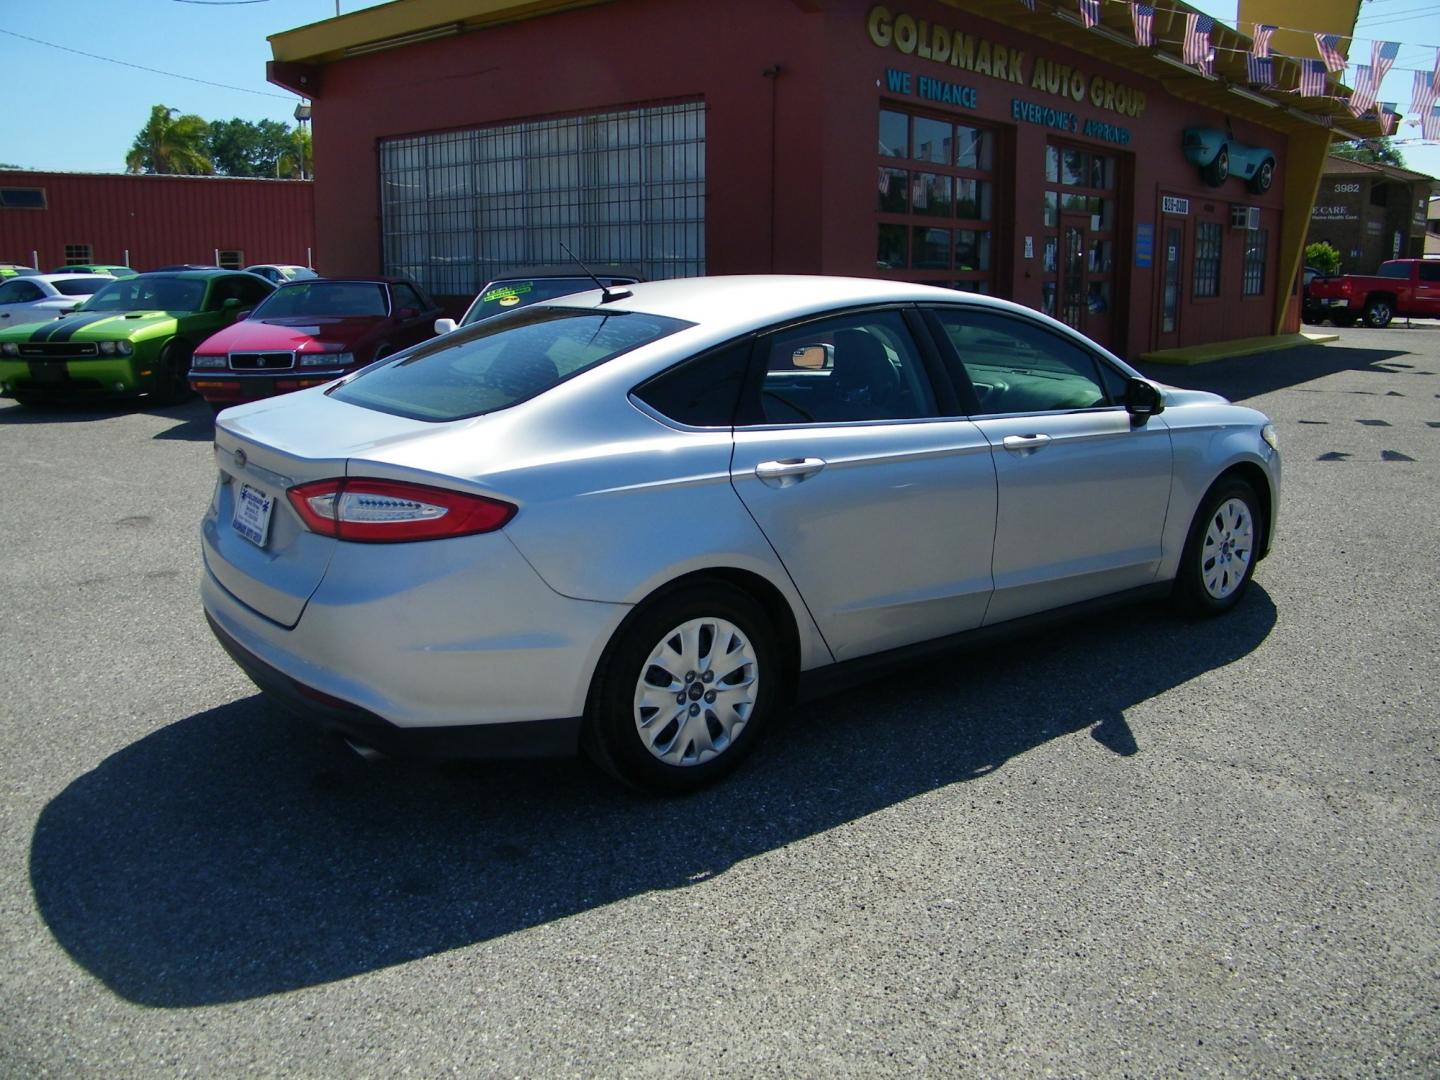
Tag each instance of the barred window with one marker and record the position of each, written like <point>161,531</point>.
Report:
<point>621,188</point>
<point>231,260</point>
<point>79,254</point>
<point>1255,246</point>
<point>1207,258</point>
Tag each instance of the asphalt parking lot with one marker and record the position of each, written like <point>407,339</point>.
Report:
<point>1134,846</point>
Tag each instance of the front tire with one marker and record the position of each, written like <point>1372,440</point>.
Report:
<point>685,691</point>
<point>1225,539</point>
<point>172,381</point>
<point>1261,181</point>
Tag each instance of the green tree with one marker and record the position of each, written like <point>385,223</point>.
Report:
<point>241,148</point>
<point>1322,257</point>
<point>297,161</point>
<point>1372,151</point>
<point>170,142</point>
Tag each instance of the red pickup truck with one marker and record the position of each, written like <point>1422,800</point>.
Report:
<point>1400,287</point>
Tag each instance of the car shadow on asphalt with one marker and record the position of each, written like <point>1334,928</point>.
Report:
<point>239,853</point>
<point>194,418</point>
<point>1244,377</point>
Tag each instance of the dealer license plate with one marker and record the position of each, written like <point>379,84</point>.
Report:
<point>252,514</point>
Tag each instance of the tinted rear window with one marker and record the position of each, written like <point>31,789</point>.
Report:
<point>500,362</point>
<point>1395,270</point>
<point>78,287</point>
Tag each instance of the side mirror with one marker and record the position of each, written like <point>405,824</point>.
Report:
<point>444,326</point>
<point>1143,400</point>
<point>230,304</point>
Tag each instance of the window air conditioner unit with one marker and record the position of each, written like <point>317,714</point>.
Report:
<point>1244,217</point>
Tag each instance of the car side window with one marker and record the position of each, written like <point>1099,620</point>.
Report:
<point>1430,271</point>
<point>703,391</point>
<point>20,292</point>
<point>861,366</point>
<point>1016,366</point>
<point>404,296</point>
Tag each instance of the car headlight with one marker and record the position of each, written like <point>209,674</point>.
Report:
<point>10,349</point>
<point>207,360</point>
<point>330,359</point>
<point>1271,436</point>
<point>107,348</point>
<point>124,348</point>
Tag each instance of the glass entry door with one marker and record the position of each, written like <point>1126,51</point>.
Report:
<point>1172,260</point>
<point>1078,268</point>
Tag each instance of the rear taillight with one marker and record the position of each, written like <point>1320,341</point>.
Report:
<point>386,511</point>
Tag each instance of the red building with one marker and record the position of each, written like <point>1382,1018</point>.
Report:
<point>973,143</point>
<point>149,221</point>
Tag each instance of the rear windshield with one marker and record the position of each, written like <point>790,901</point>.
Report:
<point>78,286</point>
<point>500,362</point>
<point>1394,269</point>
<point>516,292</point>
<point>353,298</point>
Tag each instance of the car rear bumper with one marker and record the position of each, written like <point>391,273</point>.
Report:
<point>453,635</point>
<point>531,738</point>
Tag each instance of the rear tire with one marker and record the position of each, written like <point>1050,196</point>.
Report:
<point>1378,314</point>
<point>1225,540</point>
<point>686,689</point>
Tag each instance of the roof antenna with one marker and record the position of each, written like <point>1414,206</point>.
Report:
<point>606,295</point>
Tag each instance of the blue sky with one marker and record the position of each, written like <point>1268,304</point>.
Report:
<point>81,114</point>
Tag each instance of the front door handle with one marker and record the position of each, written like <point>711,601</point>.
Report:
<point>1023,443</point>
<point>788,471</point>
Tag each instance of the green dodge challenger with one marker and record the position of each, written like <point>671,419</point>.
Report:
<point>133,337</point>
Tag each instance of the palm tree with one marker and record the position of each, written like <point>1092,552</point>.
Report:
<point>297,159</point>
<point>171,143</point>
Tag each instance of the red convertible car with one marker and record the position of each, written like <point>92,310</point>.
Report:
<point>310,332</point>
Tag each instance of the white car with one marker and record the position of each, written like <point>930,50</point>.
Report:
<point>41,297</point>
<point>639,521</point>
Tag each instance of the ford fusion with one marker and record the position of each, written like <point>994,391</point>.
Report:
<point>637,523</point>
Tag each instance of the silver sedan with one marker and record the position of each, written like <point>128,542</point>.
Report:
<point>640,521</point>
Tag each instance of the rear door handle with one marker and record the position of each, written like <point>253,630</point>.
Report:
<point>1025,442</point>
<point>788,471</point>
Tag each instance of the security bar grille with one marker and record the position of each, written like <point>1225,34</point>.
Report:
<point>461,208</point>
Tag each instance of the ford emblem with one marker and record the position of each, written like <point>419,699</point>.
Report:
<point>240,459</point>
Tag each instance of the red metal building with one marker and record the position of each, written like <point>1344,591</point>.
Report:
<point>972,143</point>
<point>149,221</point>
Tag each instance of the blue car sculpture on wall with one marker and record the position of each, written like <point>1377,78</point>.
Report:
<point>1220,157</point>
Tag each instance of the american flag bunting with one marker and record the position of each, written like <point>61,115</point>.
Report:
<point>1312,78</point>
<point>1089,12</point>
<point>1197,40</point>
<point>1261,49</point>
<point>1329,46</point>
<point>1143,18</point>
<point>1260,70</point>
<point>1382,56</point>
<point>1430,125</point>
<point>1387,117</point>
<point>1362,97</point>
<point>1028,4</point>
<point>1423,98</point>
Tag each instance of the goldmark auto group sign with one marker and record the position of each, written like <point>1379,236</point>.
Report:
<point>967,52</point>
